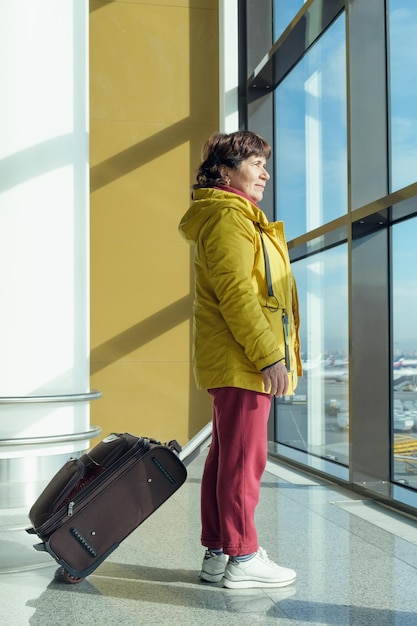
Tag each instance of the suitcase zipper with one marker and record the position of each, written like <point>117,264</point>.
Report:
<point>143,447</point>
<point>95,484</point>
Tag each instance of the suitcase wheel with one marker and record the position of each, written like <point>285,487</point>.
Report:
<point>72,580</point>
<point>62,575</point>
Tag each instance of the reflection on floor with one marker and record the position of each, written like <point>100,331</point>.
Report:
<point>356,565</point>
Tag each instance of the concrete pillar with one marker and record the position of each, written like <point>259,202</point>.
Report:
<point>44,243</point>
<point>229,66</point>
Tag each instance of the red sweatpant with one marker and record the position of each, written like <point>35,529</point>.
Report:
<point>233,470</point>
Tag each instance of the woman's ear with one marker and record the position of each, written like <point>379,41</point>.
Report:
<point>224,173</point>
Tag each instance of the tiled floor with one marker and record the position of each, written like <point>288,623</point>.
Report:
<point>356,565</point>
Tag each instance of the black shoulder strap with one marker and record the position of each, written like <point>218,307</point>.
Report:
<point>267,266</point>
<point>272,301</point>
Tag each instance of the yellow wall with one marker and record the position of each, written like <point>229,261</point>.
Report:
<point>154,100</point>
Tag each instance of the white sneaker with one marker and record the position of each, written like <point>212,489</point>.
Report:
<point>212,569</point>
<point>259,571</point>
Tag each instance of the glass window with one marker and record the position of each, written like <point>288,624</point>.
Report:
<point>316,419</point>
<point>404,333</point>
<point>310,136</point>
<point>284,11</point>
<point>403,92</point>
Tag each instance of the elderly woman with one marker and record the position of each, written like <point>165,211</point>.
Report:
<point>246,348</point>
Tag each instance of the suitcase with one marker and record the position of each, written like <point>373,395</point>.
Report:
<point>96,501</point>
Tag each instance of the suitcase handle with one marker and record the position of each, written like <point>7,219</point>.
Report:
<point>174,446</point>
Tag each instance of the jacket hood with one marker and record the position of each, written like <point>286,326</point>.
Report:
<point>207,202</point>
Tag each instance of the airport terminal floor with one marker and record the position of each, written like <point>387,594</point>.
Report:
<point>356,564</point>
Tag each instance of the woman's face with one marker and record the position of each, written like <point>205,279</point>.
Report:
<point>250,177</point>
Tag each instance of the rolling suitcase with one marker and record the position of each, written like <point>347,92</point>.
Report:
<point>96,501</point>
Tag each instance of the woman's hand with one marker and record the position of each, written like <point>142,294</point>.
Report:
<point>276,379</point>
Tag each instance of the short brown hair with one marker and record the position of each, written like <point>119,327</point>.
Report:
<point>230,150</point>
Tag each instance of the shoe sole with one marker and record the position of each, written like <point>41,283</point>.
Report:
<point>249,584</point>
<point>210,578</point>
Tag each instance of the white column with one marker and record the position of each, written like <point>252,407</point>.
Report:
<point>228,66</point>
<point>314,199</point>
<point>315,350</point>
<point>44,238</point>
<point>314,151</point>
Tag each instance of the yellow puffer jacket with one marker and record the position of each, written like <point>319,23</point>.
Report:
<point>235,334</point>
